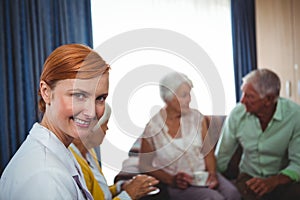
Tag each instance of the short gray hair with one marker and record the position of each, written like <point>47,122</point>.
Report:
<point>170,83</point>
<point>105,117</point>
<point>264,82</point>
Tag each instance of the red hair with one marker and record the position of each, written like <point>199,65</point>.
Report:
<point>71,61</point>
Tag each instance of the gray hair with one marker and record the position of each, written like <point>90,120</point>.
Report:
<point>105,117</point>
<point>170,83</point>
<point>264,82</point>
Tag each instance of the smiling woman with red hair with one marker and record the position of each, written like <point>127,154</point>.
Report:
<point>73,88</point>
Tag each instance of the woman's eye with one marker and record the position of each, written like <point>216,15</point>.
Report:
<point>79,96</point>
<point>101,99</point>
<point>184,95</point>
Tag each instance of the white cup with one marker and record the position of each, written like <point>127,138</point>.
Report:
<point>200,178</point>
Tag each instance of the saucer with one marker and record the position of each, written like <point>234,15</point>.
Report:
<point>154,192</point>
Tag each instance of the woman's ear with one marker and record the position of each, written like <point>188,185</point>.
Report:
<point>45,92</point>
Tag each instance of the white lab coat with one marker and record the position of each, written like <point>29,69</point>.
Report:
<point>42,168</point>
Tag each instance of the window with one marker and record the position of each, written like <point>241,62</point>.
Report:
<point>143,40</point>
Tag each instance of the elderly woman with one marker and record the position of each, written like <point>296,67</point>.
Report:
<point>83,150</point>
<point>172,147</point>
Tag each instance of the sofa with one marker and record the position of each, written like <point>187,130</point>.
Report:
<point>130,165</point>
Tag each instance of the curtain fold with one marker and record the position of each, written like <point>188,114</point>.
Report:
<point>243,39</point>
<point>30,31</point>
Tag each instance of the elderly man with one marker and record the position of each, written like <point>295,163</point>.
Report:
<point>268,129</point>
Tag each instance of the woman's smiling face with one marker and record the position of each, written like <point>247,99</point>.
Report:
<point>76,105</point>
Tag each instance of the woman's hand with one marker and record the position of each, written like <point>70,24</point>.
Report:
<point>139,186</point>
<point>182,180</point>
<point>212,180</point>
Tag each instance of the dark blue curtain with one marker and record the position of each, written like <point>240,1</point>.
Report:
<point>30,30</point>
<point>243,39</point>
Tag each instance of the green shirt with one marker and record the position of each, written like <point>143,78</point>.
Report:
<point>265,153</point>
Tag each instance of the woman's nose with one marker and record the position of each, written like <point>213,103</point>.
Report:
<point>188,98</point>
<point>90,109</point>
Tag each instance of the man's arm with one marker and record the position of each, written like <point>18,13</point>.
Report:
<point>227,143</point>
<point>293,168</point>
